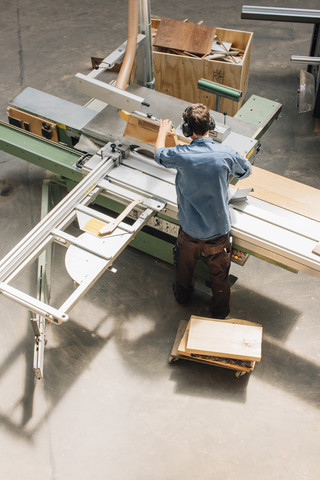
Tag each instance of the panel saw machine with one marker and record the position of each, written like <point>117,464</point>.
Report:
<point>103,154</point>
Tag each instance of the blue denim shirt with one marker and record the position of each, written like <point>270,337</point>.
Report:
<point>202,182</point>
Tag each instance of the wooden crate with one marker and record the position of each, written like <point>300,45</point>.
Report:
<point>177,75</point>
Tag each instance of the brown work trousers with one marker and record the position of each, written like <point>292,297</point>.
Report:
<point>218,255</point>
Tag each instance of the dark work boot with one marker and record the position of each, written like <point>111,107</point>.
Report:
<point>182,295</point>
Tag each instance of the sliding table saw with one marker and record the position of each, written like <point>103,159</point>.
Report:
<point>108,172</point>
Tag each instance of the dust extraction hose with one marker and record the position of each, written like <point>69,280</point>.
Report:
<point>125,70</point>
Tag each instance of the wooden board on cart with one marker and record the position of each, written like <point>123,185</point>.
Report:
<point>179,351</point>
<point>208,336</point>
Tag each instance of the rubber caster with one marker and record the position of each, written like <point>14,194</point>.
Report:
<point>240,373</point>
<point>173,359</point>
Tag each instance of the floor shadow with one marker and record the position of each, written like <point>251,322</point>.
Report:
<point>195,379</point>
<point>277,319</point>
<point>25,401</point>
<point>289,372</point>
<point>63,365</point>
<point>146,320</point>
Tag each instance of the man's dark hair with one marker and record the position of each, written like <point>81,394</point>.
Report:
<point>198,118</point>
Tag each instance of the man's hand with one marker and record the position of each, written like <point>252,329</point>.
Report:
<point>166,127</point>
<point>164,130</point>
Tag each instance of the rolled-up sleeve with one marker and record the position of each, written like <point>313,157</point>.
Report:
<point>241,167</point>
<point>165,157</point>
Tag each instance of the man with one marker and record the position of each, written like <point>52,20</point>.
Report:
<point>202,180</point>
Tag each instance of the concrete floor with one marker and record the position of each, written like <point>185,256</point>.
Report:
<point>110,405</point>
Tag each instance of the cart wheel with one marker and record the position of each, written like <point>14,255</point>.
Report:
<point>240,373</point>
<point>173,359</point>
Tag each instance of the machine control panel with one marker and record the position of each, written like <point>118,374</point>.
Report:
<point>239,256</point>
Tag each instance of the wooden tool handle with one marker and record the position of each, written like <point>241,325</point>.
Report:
<point>110,227</point>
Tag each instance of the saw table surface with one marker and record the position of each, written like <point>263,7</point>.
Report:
<point>107,125</point>
<point>258,226</point>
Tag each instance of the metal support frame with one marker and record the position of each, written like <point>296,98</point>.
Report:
<point>300,15</point>
<point>113,58</point>
<point>107,93</point>
<point>51,229</point>
<point>38,322</point>
<point>144,62</point>
<point>40,237</point>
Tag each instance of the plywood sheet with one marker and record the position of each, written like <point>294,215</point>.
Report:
<point>245,366</point>
<point>184,36</point>
<point>284,192</point>
<point>223,339</point>
<point>146,130</point>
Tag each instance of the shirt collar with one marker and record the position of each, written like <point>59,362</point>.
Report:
<point>202,140</point>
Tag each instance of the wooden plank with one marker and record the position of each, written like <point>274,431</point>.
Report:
<point>316,249</point>
<point>284,192</point>
<point>185,36</point>
<point>110,227</point>
<point>223,339</point>
<point>179,336</point>
<point>179,349</point>
<point>146,130</point>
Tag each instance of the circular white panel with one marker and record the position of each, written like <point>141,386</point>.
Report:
<point>80,264</point>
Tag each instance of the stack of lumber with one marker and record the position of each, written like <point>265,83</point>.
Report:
<point>233,344</point>
<point>194,40</point>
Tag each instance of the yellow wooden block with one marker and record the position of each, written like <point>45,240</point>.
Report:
<point>93,226</point>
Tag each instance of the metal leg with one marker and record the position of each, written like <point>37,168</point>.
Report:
<point>43,287</point>
<point>218,98</point>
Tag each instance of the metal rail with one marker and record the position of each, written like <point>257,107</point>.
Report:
<point>280,14</point>
<point>305,60</point>
<point>99,251</point>
<point>299,15</point>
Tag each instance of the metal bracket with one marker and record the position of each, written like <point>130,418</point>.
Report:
<point>115,57</point>
<point>109,94</point>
